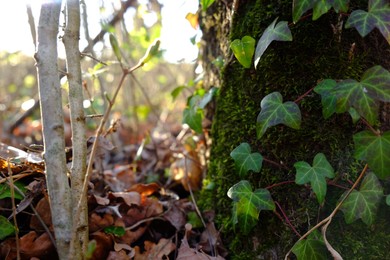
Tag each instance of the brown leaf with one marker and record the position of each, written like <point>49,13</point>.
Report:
<point>188,253</point>
<point>130,198</point>
<point>176,215</point>
<point>188,170</point>
<point>145,189</point>
<point>153,251</point>
<point>104,244</point>
<point>120,255</point>
<point>96,222</point>
<point>43,209</point>
<point>32,245</point>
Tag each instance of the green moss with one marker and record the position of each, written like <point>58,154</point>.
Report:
<point>291,68</point>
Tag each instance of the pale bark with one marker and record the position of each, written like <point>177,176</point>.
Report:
<point>53,125</point>
<point>79,143</point>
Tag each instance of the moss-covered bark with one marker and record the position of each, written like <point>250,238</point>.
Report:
<point>292,68</point>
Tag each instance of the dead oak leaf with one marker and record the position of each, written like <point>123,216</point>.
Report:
<point>155,251</point>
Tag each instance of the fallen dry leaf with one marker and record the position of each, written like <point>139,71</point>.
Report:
<point>188,171</point>
<point>155,251</point>
<point>104,245</point>
<point>130,198</point>
<point>43,209</point>
<point>32,245</point>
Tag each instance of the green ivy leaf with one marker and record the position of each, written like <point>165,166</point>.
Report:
<point>243,50</point>
<point>316,175</point>
<point>377,16</point>
<point>363,203</point>
<point>248,204</point>
<point>206,3</point>
<point>176,92</point>
<point>375,150</point>
<point>328,100</point>
<point>374,85</point>
<point>115,230</point>
<point>300,7</point>
<point>340,5</point>
<point>320,7</point>
<point>274,112</point>
<point>192,116</point>
<point>245,160</point>
<point>6,228</point>
<point>313,247</point>
<point>208,97</point>
<point>388,200</point>
<point>354,114</point>
<point>280,32</point>
<point>5,191</point>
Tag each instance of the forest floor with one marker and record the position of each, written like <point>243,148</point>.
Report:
<point>141,200</point>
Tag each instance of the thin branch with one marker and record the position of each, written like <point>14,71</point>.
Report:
<point>329,218</point>
<point>12,189</point>
<point>287,219</point>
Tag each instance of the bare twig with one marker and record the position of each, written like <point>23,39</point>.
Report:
<point>329,218</point>
<point>12,189</point>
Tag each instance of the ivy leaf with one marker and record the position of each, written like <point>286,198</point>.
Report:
<point>376,80</point>
<point>328,100</point>
<point>313,247</point>
<point>248,204</point>
<point>388,200</point>
<point>193,115</point>
<point>340,5</point>
<point>363,203</point>
<point>208,97</point>
<point>377,16</point>
<point>352,93</point>
<point>6,228</point>
<point>316,175</point>
<point>5,191</point>
<point>300,7</point>
<point>274,112</point>
<point>320,7</point>
<point>245,160</point>
<point>375,150</point>
<point>243,50</point>
<point>280,32</point>
<point>206,3</point>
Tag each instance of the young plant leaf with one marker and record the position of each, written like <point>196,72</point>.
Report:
<point>300,7</point>
<point>274,112</point>
<point>245,160</point>
<point>206,3</point>
<point>152,51</point>
<point>388,200</point>
<point>248,204</point>
<point>374,85</point>
<point>313,247</point>
<point>192,116</point>
<point>328,100</point>
<point>115,47</point>
<point>363,203</point>
<point>340,5</point>
<point>5,191</point>
<point>243,50</point>
<point>280,32</point>
<point>6,228</point>
<point>375,150</point>
<point>115,230</point>
<point>377,16</point>
<point>316,175</point>
<point>320,7</point>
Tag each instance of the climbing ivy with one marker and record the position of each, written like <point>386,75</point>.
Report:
<point>360,98</point>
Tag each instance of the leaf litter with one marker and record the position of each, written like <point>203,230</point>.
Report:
<point>140,202</point>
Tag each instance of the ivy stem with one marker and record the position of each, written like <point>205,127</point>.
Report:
<point>279,184</point>
<point>329,218</point>
<point>304,95</point>
<point>370,127</point>
<point>287,219</point>
<point>275,163</point>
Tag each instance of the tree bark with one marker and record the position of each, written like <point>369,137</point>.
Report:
<point>79,142</point>
<point>292,68</point>
<point>53,125</point>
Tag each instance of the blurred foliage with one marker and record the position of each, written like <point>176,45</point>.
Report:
<point>142,101</point>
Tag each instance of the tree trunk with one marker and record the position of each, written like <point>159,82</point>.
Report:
<point>53,125</point>
<point>292,68</point>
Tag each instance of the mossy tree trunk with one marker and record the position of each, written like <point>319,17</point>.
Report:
<point>291,68</point>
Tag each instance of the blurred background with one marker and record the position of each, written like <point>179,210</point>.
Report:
<point>155,96</point>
